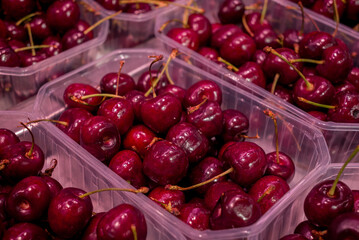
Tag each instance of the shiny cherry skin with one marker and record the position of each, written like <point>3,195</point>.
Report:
<point>235,125</point>
<point>231,11</point>
<point>281,92</point>
<point>128,165</point>
<point>353,77</point>
<point>165,155</point>
<point>310,231</point>
<point>54,186</point>
<point>100,137</point>
<point>318,115</point>
<point>356,200</point>
<point>248,161</point>
<point>223,33</point>
<point>73,38</point>
<point>74,118</point>
<point>254,23</point>
<point>82,25</point>
<point>321,209</point>
<point>90,232</point>
<point>202,26</point>
<point>62,15</point>
<point>17,9</point>
<point>268,190</point>
<point>27,59</point>
<point>144,82</point>
<point>283,166</point>
<point>29,199</point>
<point>177,91</point>
<point>26,230</point>
<point>74,92</point>
<point>345,87</point>
<point>118,222</point>
<point>200,90</point>
<point>265,36</point>
<point>326,7</point>
<point>187,37</point>
<point>161,112</point>
<point>195,215</point>
<point>166,196</point>
<point>39,27</point>
<point>188,137</point>
<point>68,214</point>
<point>7,137</point>
<point>138,139</point>
<point>347,108</point>
<point>138,8</point>
<point>8,58</point>
<point>15,32</point>
<point>259,57</point>
<point>314,43</point>
<point>56,46</point>
<point>291,37</point>
<point>108,83</point>
<point>344,226</point>
<point>252,72</point>
<point>235,209</point>
<point>137,98</point>
<point>209,53</point>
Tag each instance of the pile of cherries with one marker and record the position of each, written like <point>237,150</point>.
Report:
<point>314,71</point>
<point>348,10</point>
<point>156,134</point>
<point>34,205</point>
<point>139,7</point>
<point>45,27</point>
<point>332,211</point>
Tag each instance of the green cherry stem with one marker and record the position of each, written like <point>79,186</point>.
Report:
<point>306,60</point>
<point>48,120</point>
<point>230,66</point>
<point>162,3</point>
<point>140,190</point>
<point>27,17</point>
<point>316,104</point>
<point>264,11</point>
<point>28,27</point>
<point>336,18</point>
<point>101,95</point>
<point>245,25</point>
<point>30,152</point>
<point>332,189</point>
<point>134,232</point>
<point>118,76</point>
<point>33,47</point>
<point>101,21</point>
<point>275,82</point>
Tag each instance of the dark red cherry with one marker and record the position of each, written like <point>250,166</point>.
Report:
<point>254,23</point>
<point>231,11</point>
<point>265,36</point>
<point>291,37</point>
<point>321,208</point>
<point>208,52</point>
<point>138,8</point>
<point>128,165</point>
<point>166,196</point>
<point>294,236</point>
<point>306,3</point>
<point>326,7</point>
<point>165,155</point>
<point>268,190</point>
<point>185,36</point>
<point>352,10</point>
<point>138,139</point>
<point>356,200</point>
<point>74,92</point>
<point>259,57</point>
<point>281,166</point>
<point>7,137</point>
<point>120,222</point>
<point>55,46</point>
<point>82,25</point>
<point>73,38</point>
<point>136,98</point>
<point>319,115</point>
<point>74,118</point>
<point>223,33</point>
<point>16,32</point>
<point>353,77</point>
<point>145,81</point>
<point>188,137</point>
<point>161,113</point>
<point>235,125</point>
<point>248,161</point>
<point>201,25</point>
<point>344,226</point>
<point>39,27</point>
<point>195,215</point>
<point>282,92</point>
<point>27,59</point>
<point>25,231</point>
<point>112,5</point>
<point>100,137</point>
<point>177,91</point>
<point>90,232</point>
<point>238,48</point>
<point>119,111</point>
<point>54,186</point>
<point>235,209</point>
<point>347,108</point>
<point>3,30</point>
<point>68,213</point>
<point>108,83</point>
<point>8,58</point>
<point>345,87</point>
<point>200,90</point>
<point>29,199</point>
<point>252,72</point>
<point>310,231</point>
<point>17,9</point>
<point>62,15</point>
<point>314,43</point>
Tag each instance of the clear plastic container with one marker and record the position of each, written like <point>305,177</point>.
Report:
<point>293,214</point>
<point>341,138</point>
<point>18,84</point>
<point>299,140</point>
<point>77,169</point>
<point>126,29</point>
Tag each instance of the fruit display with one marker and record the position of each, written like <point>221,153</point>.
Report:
<point>173,153</point>
<point>258,63</point>
<point>42,43</point>
<point>49,191</point>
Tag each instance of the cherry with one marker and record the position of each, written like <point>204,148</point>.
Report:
<point>200,90</point>
<point>68,212</point>
<point>162,195</point>
<point>351,11</point>
<point>281,92</point>
<point>268,190</point>
<point>28,59</point>
<point>344,226</point>
<point>120,111</point>
<point>319,115</point>
<point>254,21</point>
<point>15,32</point>
<point>138,138</point>
<point>39,28</point>
<point>353,77</point>
<point>8,58</point>
<point>294,236</point>
<point>108,83</point>
<point>235,209</point>
<point>137,98</point>
<point>310,231</point>
<point>356,200</point>
<point>314,43</point>
<point>73,38</point>
<point>90,232</point>
<point>185,36</point>
<point>29,199</point>
<point>208,52</point>
<point>252,72</point>
<point>265,36</point>
<point>291,37</point>
<point>55,46</point>
<point>122,222</point>
<point>231,11</point>
<point>7,137</point>
<point>165,155</point>
<point>62,15</point>
<point>3,212</point>
<point>138,8</point>
<point>144,82</point>
<point>128,165</point>
<point>248,161</point>
<point>54,186</point>
<point>177,91</point>
<point>235,125</point>
<point>3,30</point>
<point>325,7</point>
<point>74,118</point>
<point>25,231</point>
<point>100,137</point>
<point>82,26</point>
<point>347,108</point>
<point>195,215</point>
<point>281,165</point>
<point>238,48</point>
<point>201,25</point>
<point>17,9</point>
<point>73,96</point>
<point>223,33</point>
<point>190,139</point>
<point>259,57</point>
<point>161,112</point>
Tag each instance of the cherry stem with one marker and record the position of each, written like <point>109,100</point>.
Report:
<point>274,84</point>
<point>50,170</point>
<point>230,66</point>
<point>155,139</point>
<point>280,40</point>
<point>30,152</point>
<point>302,11</point>
<point>245,25</point>
<point>154,84</point>
<point>168,207</point>
<point>101,21</point>
<point>264,10</point>
<point>253,6</point>
<point>195,108</point>
<point>169,77</point>
<point>4,163</point>
<point>118,76</point>
<point>186,13</point>
<point>101,95</point>
<point>336,18</point>
<point>316,104</point>
<point>274,118</point>
<point>27,17</point>
<point>175,187</point>
<point>249,137</point>
<point>140,190</point>
<point>267,191</point>
<point>162,3</point>
<point>306,60</point>
<point>33,47</point>
<point>332,189</point>
<point>168,22</point>
<point>134,231</point>
<point>157,58</point>
<point>271,50</point>
<point>28,27</point>
<point>48,120</point>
